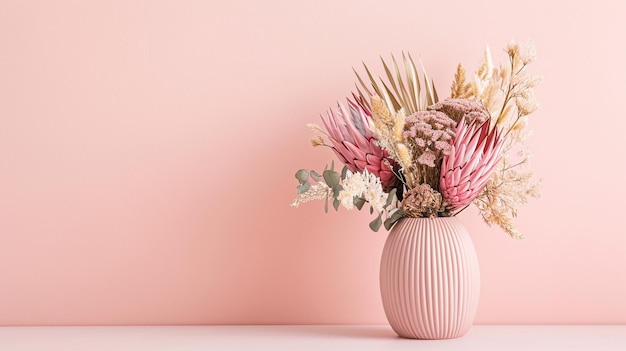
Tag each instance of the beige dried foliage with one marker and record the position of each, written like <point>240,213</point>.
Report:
<point>317,191</point>
<point>507,93</point>
<point>387,129</point>
<point>382,117</point>
<point>317,141</point>
<point>502,195</point>
<point>402,89</point>
<point>460,89</point>
<point>316,128</point>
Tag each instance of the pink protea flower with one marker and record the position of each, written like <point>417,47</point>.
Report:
<point>354,144</point>
<point>465,171</point>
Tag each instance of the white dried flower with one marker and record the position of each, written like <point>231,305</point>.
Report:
<point>362,185</point>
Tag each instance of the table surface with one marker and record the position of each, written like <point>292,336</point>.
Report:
<point>300,337</point>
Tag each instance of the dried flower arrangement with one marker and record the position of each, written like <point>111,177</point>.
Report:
<point>407,154</point>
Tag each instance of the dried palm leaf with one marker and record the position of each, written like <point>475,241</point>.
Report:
<point>398,92</point>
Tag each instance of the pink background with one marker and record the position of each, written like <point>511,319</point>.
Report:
<point>147,153</point>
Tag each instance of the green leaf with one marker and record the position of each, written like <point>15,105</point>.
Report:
<point>302,176</point>
<point>359,202</point>
<point>395,216</point>
<point>336,204</point>
<point>336,190</point>
<point>302,188</point>
<point>326,205</point>
<point>316,176</point>
<point>371,209</point>
<point>376,223</point>
<point>344,172</point>
<point>331,178</point>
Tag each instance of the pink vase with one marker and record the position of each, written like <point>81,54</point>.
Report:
<point>429,278</point>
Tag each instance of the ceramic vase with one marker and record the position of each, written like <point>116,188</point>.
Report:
<point>429,278</point>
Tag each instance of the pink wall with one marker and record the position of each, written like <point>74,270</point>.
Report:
<point>147,152</point>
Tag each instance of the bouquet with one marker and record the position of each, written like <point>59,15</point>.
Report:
<point>405,153</point>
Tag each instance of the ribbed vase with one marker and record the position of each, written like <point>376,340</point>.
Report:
<point>429,278</point>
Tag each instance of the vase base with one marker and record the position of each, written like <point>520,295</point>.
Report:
<point>433,337</point>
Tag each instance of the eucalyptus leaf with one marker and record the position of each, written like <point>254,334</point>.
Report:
<point>395,216</point>
<point>376,223</point>
<point>302,176</point>
<point>344,172</point>
<point>336,190</point>
<point>359,202</point>
<point>304,187</point>
<point>371,209</point>
<point>388,223</point>
<point>316,176</point>
<point>331,178</point>
<point>336,203</point>
<point>326,205</point>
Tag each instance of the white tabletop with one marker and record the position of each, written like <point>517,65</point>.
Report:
<point>324,338</point>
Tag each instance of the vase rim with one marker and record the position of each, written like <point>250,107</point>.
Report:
<point>432,218</point>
